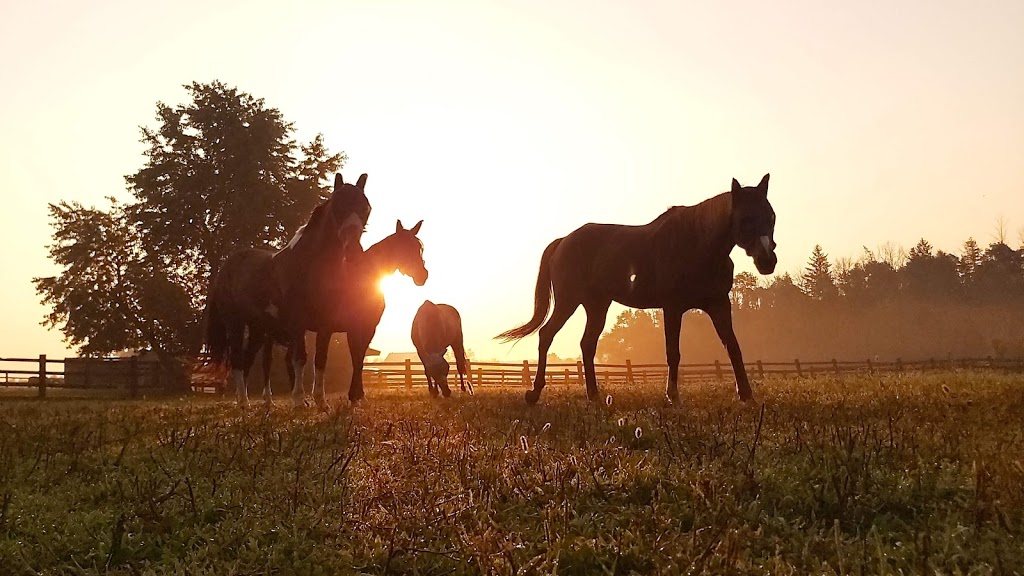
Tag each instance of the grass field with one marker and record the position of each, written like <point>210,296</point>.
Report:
<point>900,474</point>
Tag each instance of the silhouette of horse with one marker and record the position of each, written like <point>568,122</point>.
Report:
<point>435,327</point>
<point>261,291</point>
<point>356,304</point>
<point>677,262</point>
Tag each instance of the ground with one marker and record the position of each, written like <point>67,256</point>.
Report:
<point>875,475</point>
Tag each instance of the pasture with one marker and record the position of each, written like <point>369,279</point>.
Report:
<point>882,474</point>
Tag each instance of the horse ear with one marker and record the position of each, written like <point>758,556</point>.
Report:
<point>763,186</point>
<point>361,183</point>
<point>398,226</point>
<point>736,186</point>
<point>338,181</point>
<point>416,228</point>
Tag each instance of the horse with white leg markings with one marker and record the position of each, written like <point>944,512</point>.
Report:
<point>269,296</point>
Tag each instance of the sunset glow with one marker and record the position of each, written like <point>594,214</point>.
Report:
<point>506,125</point>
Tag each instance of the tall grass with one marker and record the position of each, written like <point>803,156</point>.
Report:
<point>854,475</point>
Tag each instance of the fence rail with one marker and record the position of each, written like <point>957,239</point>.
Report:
<point>134,376</point>
<point>409,373</point>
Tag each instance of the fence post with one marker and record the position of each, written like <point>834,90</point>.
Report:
<point>42,375</point>
<point>479,377</point>
<point>408,373</point>
<point>835,366</point>
<point>567,376</point>
<point>760,370</point>
<point>871,367</point>
<point>526,372</point>
<point>629,372</point>
<point>799,372</point>
<point>718,370</point>
<point>133,376</point>
<point>990,364</point>
<point>579,371</point>
<point>899,365</point>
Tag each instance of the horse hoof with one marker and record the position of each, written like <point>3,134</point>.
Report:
<point>433,392</point>
<point>322,403</point>
<point>532,396</point>
<point>447,393</point>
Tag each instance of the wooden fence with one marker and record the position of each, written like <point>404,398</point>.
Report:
<point>130,375</point>
<point>409,373</point>
<point>134,377</point>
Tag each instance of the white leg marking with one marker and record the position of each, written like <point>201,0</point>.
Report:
<point>298,387</point>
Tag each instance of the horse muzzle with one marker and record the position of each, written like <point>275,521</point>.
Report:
<point>420,279</point>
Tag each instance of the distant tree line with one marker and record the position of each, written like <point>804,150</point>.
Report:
<point>889,303</point>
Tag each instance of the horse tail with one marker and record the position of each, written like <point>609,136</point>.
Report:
<point>542,298</point>
<point>216,332</point>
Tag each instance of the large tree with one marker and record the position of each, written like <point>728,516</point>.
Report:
<point>817,280</point>
<point>221,172</point>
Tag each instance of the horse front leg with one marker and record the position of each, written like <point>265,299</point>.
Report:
<point>673,325</point>
<point>596,315</point>
<point>721,315</point>
<point>357,345</point>
<point>323,341</point>
<point>298,361</point>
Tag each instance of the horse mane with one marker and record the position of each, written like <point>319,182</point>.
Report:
<point>697,225</point>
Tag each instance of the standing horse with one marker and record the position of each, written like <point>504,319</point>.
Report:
<point>356,304</point>
<point>435,327</point>
<point>677,262</point>
<point>261,291</point>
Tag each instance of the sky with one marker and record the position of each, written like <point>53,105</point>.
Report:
<point>504,125</point>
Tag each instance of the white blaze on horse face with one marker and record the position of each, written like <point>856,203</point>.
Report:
<point>295,239</point>
<point>766,242</point>
<point>272,310</point>
<point>351,222</point>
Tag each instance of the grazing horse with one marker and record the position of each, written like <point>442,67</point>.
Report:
<point>677,262</point>
<point>435,327</point>
<point>266,292</point>
<point>356,303</point>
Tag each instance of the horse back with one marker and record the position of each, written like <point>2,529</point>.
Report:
<point>435,327</point>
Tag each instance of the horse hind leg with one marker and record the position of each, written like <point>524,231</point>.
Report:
<point>323,340</point>
<point>297,354</point>
<point>237,357</point>
<point>268,358</point>
<point>559,316</point>
<point>596,316</point>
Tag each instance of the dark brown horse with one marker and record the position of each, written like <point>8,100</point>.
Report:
<point>356,304</point>
<point>435,327</point>
<point>257,291</point>
<point>677,262</point>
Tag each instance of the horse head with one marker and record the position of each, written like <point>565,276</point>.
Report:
<point>407,253</point>
<point>753,224</point>
<point>348,210</point>
<point>435,366</point>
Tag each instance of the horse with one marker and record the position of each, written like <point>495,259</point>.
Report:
<point>677,262</point>
<point>356,304</point>
<point>435,327</point>
<point>263,292</point>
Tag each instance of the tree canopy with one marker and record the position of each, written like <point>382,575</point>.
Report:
<point>222,171</point>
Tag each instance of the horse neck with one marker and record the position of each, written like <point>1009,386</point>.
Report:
<point>706,226</point>
<point>378,259</point>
